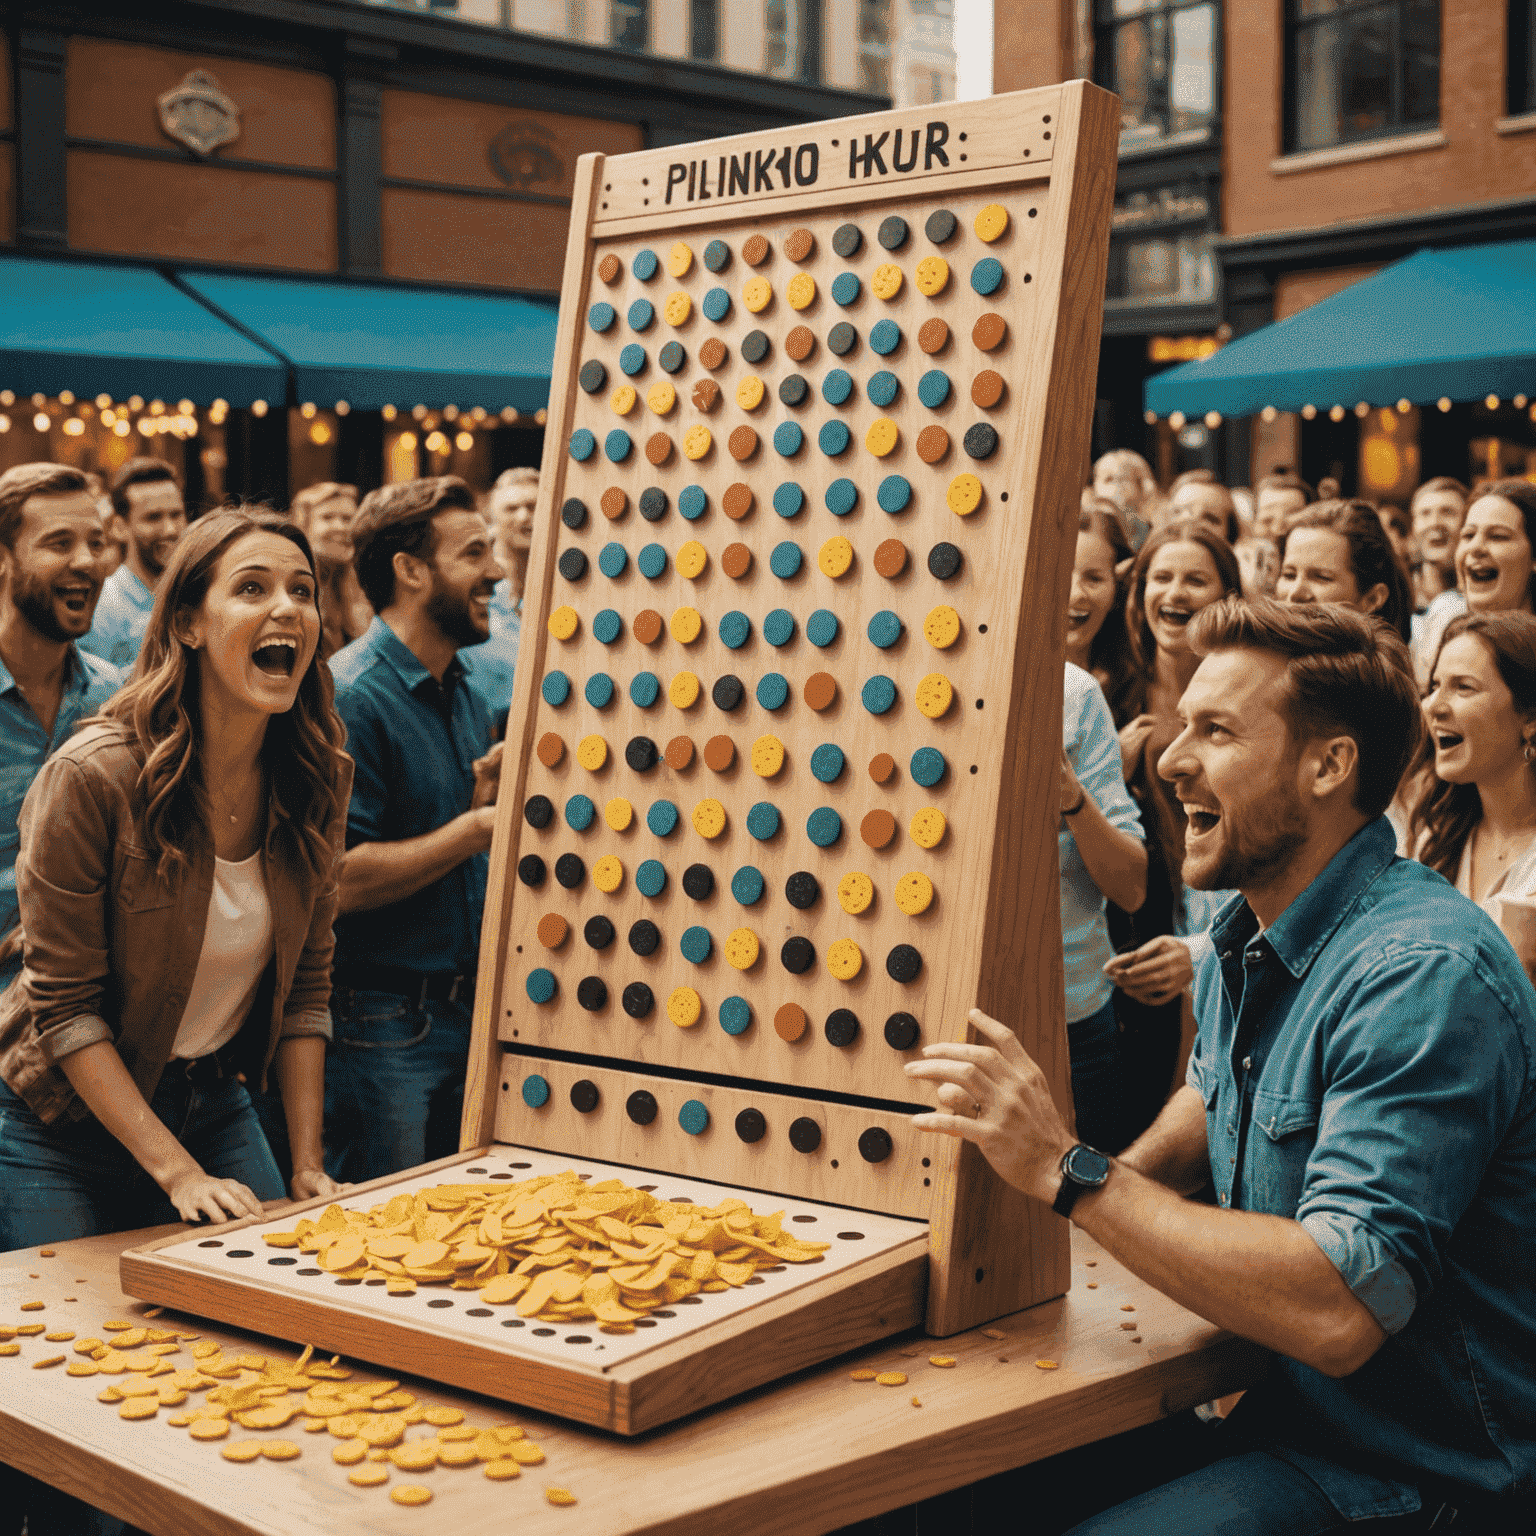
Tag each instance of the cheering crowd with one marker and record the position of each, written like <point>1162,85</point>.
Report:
<point>248,769</point>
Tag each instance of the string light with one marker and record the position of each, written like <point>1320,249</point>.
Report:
<point>541,415</point>
<point>39,399</point>
<point>307,410</point>
<point>509,415</point>
<point>389,412</point>
<point>1444,402</point>
<point>258,407</point>
<point>1213,419</point>
<point>342,408</point>
<point>450,413</point>
<point>1519,402</point>
<point>1176,420</point>
<point>408,441</point>
<point>437,443</point>
<point>1492,402</point>
<point>464,441</point>
<point>157,407</point>
<point>5,423</point>
<point>66,397</point>
<point>74,427</point>
<point>1362,409</point>
<point>40,422</point>
<point>1308,412</point>
<point>1150,417</point>
<point>185,407</point>
<point>135,402</point>
<point>1404,406</point>
<point>121,429</point>
<point>319,433</point>
<point>7,397</point>
<point>103,401</point>
<point>479,413</point>
<point>418,411</point>
<point>1268,414</point>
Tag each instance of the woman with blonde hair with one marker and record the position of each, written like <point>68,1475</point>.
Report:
<point>325,512</point>
<point>1125,478</point>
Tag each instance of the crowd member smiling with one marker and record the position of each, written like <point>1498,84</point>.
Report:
<point>1496,550</point>
<point>1338,552</point>
<point>1096,634</point>
<point>1123,477</point>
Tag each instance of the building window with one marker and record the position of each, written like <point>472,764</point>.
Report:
<point>1160,249</point>
<point>875,46</point>
<point>1522,58</point>
<point>629,25</point>
<point>792,39</point>
<point>1159,56</point>
<point>1360,69</point>
<point>704,29</point>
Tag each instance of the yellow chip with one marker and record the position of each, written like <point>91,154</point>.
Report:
<point>79,1367</point>
<point>107,1394</point>
<point>241,1450</point>
<point>677,308</point>
<point>618,813</point>
<point>313,1426</point>
<point>30,1330</point>
<point>62,1337</point>
<point>845,959</point>
<point>742,949</point>
<point>991,222</point>
<point>692,560</point>
<point>178,1420</point>
<point>382,1430</point>
<point>563,622</point>
<point>709,818</point>
<point>662,397</point>
<point>684,690</point>
<point>928,827</point>
<point>456,1454</point>
<point>964,495</point>
<point>855,891</point>
<point>368,1477</point>
<point>942,627</point>
<point>32,1306</point>
<point>210,1429</point>
<point>10,1349</point>
<point>886,283</point>
<point>935,693</point>
<point>696,442</point>
<point>749,393</point>
<point>685,625</point>
<point>418,1456</point>
<point>607,876</point>
<point>861,1375</point>
<point>525,1451</point>
<point>757,294</point>
<point>117,1325</point>
<point>942,1361</point>
<point>801,290</point>
<point>280,1450</point>
<point>1047,1365</point>
<point>623,399</point>
<point>914,892</point>
<point>451,1433</point>
<point>51,1360</point>
<point>835,557</point>
<point>503,1469</point>
<point>139,1408</point>
<point>349,1453</point>
<point>932,275</point>
<point>767,756</point>
<point>680,259</point>
<point>561,1496</point>
<point>881,438</point>
<point>892,1378</point>
<point>592,753</point>
<point>684,1009</point>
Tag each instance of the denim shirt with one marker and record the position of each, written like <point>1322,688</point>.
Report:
<point>122,616</point>
<point>415,744</point>
<point>1368,1066</point>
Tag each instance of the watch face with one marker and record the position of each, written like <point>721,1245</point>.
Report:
<point>1086,1166</point>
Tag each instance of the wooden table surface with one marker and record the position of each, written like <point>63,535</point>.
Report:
<point>809,1454</point>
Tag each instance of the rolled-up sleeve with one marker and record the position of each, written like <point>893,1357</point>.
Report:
<point>1424,1075</point>
<point>307,1008</point>
<point>368,747</point>
<point>1096,761</point>
<point>61,890</point>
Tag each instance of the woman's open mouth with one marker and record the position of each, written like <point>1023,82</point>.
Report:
<point>276,657</point>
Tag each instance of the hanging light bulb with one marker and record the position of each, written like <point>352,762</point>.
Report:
<point>1268,414</point>
<point>1176,420</point>
<point>1213,419</point>
<point>389,412</point>
<point>464,441</point>
<point>1309,412</point>
<point>1444,402</point>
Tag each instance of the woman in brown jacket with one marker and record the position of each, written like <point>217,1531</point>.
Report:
<point>177,879</point>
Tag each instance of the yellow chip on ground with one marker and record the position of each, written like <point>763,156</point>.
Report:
<point>855,891</point>
<point>861,1375</point>
<point>30,1330</point>
<point>692,560</point>
<point>801,290</point>
<point>914,893</point>
<point>709,818</point>
<point>686,625</point>
<point>942,1361</point>
<point>618,813</point>
<point>280,1450</point>
<point>561,1496</point>
<point>117,1325</point>
<point>43,1365</point>
<point>623,399</point>
<point>178,1420</point>
<point>209,1429</point>
<point>942,627</point>
<point>742,949</point>
<point>677,308</point>
<point>928,827</point>
<point>32,1306</point>
<point>525,1451</point>
<point>368,1476</point>
<point>62,1337</point>
<point>139,1408</point>
<point>684,690</point>
<point>457,1454</point>
<point>991,222</point>
<point>106,1395</point>
<point>563,622</point>
<point>932,275</point>
<point>964,495</point>
<point>756,294</point>
<point>684,1009</point>
<point>451,1434</point>
<point>502,1470</point>
<point>10,1349</point>
<point>749,393</point>
<point>241,1450</point>
<point>680,259</point>
<point>882,437</point>
<point>835,556</point>
<point>892,1378</point>
<point>886,283</point>
<point>1047,1365</point>
<point>349,1452</point>
<point>608,874</point>
<point>662,397</point>
<point>592,753</point>
<point>418,1456</point>
<point>845,959</point>
<point>767,756</point>
<point>935,693</point>
<point>696,442</point>
<point>78,1367</point>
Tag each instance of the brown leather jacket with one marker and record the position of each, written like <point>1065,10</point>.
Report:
<point>111,948</point>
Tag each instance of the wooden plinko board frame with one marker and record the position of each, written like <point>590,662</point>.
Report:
<point>991,937</point>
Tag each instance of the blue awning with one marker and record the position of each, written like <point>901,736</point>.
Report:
<point>99,329</point>
<point>1457,324</point>
<point>374,346</point>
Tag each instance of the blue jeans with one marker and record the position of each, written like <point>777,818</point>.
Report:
<point>394,1083</point>
<point>1093,1044</point>
<point>75,1179</point>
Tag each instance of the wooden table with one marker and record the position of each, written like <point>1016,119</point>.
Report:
<point>809,1454</point>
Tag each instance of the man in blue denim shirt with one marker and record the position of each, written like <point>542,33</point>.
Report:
<point>423,804</point>
<point>1362,1096</point>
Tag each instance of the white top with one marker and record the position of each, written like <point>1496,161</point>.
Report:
<point>1510,901</point>
<point>237,944</point>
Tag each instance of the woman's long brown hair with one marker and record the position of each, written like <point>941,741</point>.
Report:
<point>158,713</point>
<point>1446,814</point>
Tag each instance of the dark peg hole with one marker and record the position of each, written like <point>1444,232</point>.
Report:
<point>973,767</point>
<point>690,1301</point>
<point>1003,497</point>
<point>927,1182</point>
<point>478,1311</point>
<point>543,1333</point>
<point>280,1263</point>
<point>851,1237</point>
<point>802,1218</point>
<point>306,1271</point>
<point>645,1322</point>
<point>439,1301</point>
<point>834,1162</point>
<point>475,1170</point>
<point>980,703</point>
<point>239,1253</point>
<point>578,1338</point>
<point>213,1242</point>
<point>981,629</point>
<point>1032,213</point>
<point>346,1281</point>
<point>513,1322</point>
<point>926,1163</point>
<point>981,1273</point>
<point>373,1282</point>
<point>519,1165</point>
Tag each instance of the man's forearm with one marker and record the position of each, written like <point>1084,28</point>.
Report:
<point>1173,1151</point>
<point>376,874</point>
<point>1116,861</point>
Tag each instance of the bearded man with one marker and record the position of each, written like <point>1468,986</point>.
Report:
<point>418,831</point>
<point>1361,1100</point>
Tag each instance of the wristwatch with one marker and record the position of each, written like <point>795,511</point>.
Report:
<point>1082,1168</point>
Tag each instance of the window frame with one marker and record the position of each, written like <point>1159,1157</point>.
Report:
<point>1520,58</point>
<point>1105,27</point>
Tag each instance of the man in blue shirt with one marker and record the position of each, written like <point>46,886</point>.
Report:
<point>1362,1097</point>
<point>52,554</point>
<point>509,510</point>
<point>418,831</point>
<point>150,516</point>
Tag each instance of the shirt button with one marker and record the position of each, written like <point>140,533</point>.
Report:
<point>1223,1197</point>
<point>1231,1159</point>
<point>1247,1063</point>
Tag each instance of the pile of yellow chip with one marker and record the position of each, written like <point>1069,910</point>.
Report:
<point>554,1248</point>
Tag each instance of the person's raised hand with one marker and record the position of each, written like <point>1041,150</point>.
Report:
<point>199,1196</point>
<point>993,1094</point>
<point>1156,973</point>
<point>308,1183</point>
<point>487,771</point>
